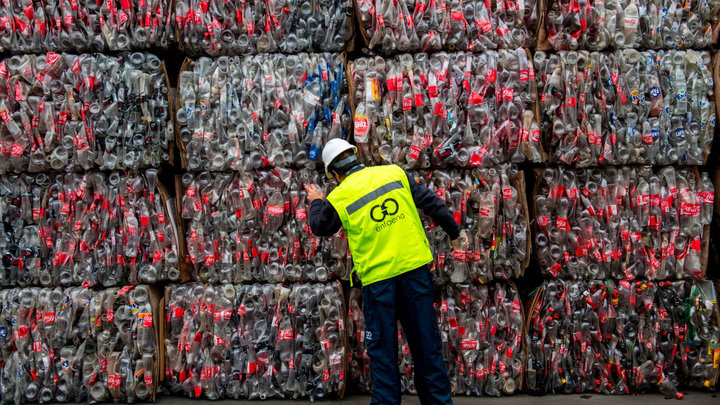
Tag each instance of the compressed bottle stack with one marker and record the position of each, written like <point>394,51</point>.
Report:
<point>243,226</point>
<point>243,113</point>
<point>622,223</point>
<point>35,26</point>
<point>422,26</point>
<point>446,109</point>
<point>255,341</point>
<point>482,340</point>
<point>624,337</point>
<point>626,107</point>
<point>219,27</point>
<point>76,344</point>
<point>90,229</point>
<point>490,205</point>
<point>79,112</point>
<point>599,24</point>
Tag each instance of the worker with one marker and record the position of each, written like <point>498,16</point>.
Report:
<point>377,208</point>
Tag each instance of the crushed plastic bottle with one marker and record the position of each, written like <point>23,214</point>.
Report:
<point>218,27</point>
<point>252,225</point>
<point>255,341</point>
<point>623,223</point>
<point>426,26</point>
<point>624,337</point>
<point>66,112</point>
<point>244,113</point>
<point>626,107</point>
<point>481,328</point>
<point>77,344</point>
<point>35,26</point>
<point>652,24</point>
<point>446,109</point>
<point>490,205</point>
<point>94,228</point>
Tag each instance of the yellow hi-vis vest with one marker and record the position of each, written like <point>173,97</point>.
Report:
<point>383,228</point>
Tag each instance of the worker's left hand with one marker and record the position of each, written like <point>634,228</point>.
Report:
<point>462,242</point>
<point>313,193</point>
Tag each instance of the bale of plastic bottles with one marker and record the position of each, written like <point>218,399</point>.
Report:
<point>218,27</point>
<point>650,24</point>
<point>623,223</point>
<point>66,112</point>
<point>626,107</point>
<point>256,341</point>
<point>481,328</point>
<point>429,26</point>
<point>78,344</point>
<point>36,26</point>
<point>491,206</point>
<point>446,109</point>
<point>243,113</point>
<point>623,337</point>
<point>92,229</point>
<point>253,226</point>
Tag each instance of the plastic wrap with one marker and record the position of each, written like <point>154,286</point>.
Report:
<point>89,229</point>
<point>622,223</point>
<point>81,112</point>
<point>243,113</point>
<point>33,26</point>
<point>626,107</point>
<point>629,337</point>
<point>77,344</point>
<point>428,26</point>
<point>446,109</point>
<point>218,27</point>
<point>653,24</point>
<point>255,341</point>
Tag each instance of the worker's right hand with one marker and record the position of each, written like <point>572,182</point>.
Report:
<point>313,193</point>
<point>462,242</point>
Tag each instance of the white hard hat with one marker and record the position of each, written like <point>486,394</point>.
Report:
<point>334,148</point>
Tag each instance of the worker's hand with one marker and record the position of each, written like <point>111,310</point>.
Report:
<point>313,193</point>
<point>462,242</point>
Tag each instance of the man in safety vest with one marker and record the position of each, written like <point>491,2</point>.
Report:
<point>377,208</point>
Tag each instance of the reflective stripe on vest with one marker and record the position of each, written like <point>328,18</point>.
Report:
<point>385,234</point>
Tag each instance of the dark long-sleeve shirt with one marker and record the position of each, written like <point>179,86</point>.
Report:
<point>324,219</point>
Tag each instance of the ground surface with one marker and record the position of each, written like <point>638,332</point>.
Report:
<point>691,397</point>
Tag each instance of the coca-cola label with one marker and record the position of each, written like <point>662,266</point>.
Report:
<point>49,317</point>
<point>145,319</point>
<point>491,75</point>
<point>690,210</point>
<point>470,345</point>
<point>275,210</point>
<point>706,197</point>
<point>222,315</point>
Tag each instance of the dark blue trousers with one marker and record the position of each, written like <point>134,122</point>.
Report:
<point>409,299</point>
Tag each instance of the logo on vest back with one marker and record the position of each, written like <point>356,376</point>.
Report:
<point>384,213</point>
<point>387,207</point>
